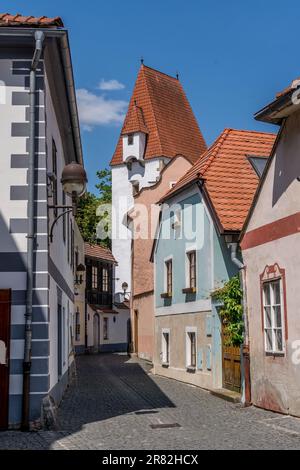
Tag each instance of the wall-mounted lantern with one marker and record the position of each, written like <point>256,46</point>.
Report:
<point>79,275</point>
<point>74,182</point>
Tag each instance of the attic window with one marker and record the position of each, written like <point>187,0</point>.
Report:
<point>130,139</point>
<point>258,164</point>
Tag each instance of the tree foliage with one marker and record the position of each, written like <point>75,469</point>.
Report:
<point>87,218</point>
<point>231,312</point>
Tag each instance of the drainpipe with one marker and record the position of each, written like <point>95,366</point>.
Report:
<point>246,356</point>
<point>39,38</point>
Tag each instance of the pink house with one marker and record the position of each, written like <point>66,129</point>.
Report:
<point>271,245</point>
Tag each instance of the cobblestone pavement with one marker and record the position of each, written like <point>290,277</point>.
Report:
<point>116,402</point>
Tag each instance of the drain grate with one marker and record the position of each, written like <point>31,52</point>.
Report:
<point>146,412</point>
<point>165,426</point>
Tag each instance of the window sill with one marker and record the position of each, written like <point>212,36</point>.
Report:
<point>191,370</point>
<point>166,295</point>
<point>165,365</point>
<point>275,354</point>
<point>189,290</point>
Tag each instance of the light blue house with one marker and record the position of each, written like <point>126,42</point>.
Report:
<point>194,254</point>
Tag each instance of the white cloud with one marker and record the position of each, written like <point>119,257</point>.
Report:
<point>97,110</point>
<point>109,85</point>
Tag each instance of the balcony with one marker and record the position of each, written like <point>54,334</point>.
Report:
<point>100,299</point>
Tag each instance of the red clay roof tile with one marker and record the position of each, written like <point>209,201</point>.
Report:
<point>134,121</point>
<point>6,19</point>
<point>97,251</point>
<point>229,177</point>
<point>168,117</point>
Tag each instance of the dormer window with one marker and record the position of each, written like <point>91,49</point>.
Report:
<point>130,139</point>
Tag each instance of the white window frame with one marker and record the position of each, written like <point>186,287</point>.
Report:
<point>165,352</point>
<point>166,260</point>
<point>272,307</point>
<point>95,269</point>
<point>188,250</point>
<point>188,345</point>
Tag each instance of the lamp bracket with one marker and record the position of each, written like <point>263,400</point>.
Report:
<point>69,209</point>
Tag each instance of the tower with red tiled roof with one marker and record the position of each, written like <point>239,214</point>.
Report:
<point>159,126</point>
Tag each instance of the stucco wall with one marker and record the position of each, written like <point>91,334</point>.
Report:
<point>144,305</point>
<point>275,381</point>
<point>177,369</point>
<point>79,306</point>
<point>122,202</point>
<point>145,219</point>
<point>282,199</point>
<point>214,268</point>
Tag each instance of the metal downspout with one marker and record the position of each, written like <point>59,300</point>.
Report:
<point>246,356</point>
<point>39,38</point>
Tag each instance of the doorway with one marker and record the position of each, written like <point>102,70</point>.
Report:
<point>96,330</point>
<point>231,356</point>
<point>136,331</point>
<point>5,307</point>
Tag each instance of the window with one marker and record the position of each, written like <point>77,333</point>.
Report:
<point>54,169</point>
<point>273,316</point>
<point>130,139</point>
<point>104,279</point>
<point>166,347</point>
<point>94,277</point>
<point>192,269</point>
<point>105,328</point>
<point>77,326</point>
<point>191,348</point>
<point>76,258</point>
<point>135,188</point>
<point>169,276</point>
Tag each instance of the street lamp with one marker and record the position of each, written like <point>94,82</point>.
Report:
<point>79,274</point>
<point>74,182</point>
<point>124,287</point>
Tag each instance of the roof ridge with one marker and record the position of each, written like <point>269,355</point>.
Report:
<point>158,71</point>
<point>215,148</point>
<point>152,108</point>
<point>250,131</point>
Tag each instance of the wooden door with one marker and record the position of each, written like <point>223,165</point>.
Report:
<point>5,306</point>
<point>231,365</point>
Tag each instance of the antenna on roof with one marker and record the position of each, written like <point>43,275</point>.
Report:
<point>177,75</point>
<point>142,60</point>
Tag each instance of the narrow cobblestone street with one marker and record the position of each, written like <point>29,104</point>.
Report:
<point>117,403</point>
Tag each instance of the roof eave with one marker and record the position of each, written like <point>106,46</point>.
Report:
<point>278,110</point>
<point>179,190</point>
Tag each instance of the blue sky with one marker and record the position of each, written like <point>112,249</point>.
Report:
<point>232,57</point>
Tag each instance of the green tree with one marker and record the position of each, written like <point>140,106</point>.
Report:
<point>231,312</point>
<point>104,185</point>
<point>87,218</point>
